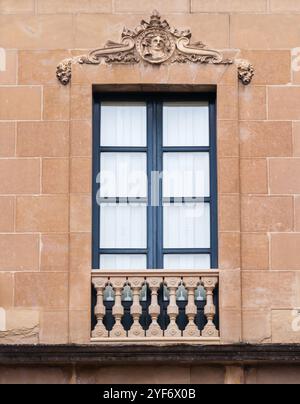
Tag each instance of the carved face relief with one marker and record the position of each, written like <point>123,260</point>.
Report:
<point>64,71</point>
<point>155,46</point>
<point>245,71</point>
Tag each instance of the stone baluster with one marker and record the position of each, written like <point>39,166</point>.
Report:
<point>136,331</point>
<point>154,309</point>
<point>172,331</point>
<point>100,330</point>
<point>191,308</point>
<point>210,329</point>
<point>118,310</point>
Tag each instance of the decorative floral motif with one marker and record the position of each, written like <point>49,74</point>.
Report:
<point>153,42</point>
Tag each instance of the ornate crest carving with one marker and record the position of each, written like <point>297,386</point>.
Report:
<point>154,42</point>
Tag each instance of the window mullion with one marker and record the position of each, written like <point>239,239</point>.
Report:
<point>159,169</point>
<point>151,230</point>
<point>213,184</point>
<point>96,185</point>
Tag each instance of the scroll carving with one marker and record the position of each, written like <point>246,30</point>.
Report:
<point>154,42</point>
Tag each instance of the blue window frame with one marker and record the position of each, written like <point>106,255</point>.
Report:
<point>156,151</point>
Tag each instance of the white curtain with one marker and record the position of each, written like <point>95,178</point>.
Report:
<point>123,226</point>
<point>186,174</point>
<point>187,226</point>
<point>126,262</point>
<point>186,124</point>
<point>123,175</point>
<point>123,124</point>
<point>187,261</point>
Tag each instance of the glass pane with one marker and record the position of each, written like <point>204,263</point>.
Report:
<point>200,294</point>
<point>127,294</point>
<point>186,124</point>
<point>109,294</point>
<point>124,124</point>
<point>123,175</point>
<point>166,296</point>
<point>186,174</point>
<point>123,226</point>
<point>187,261</point>
<point>181,293</point>
<point>120,262</point>
<point>187,226</point>
<point>144,293</point>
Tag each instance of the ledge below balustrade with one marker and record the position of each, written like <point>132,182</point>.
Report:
<point>198,313</point>
<point>154,355</point>
<point>157,341</point>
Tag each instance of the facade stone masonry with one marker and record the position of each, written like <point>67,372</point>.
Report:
<point>46,175</point>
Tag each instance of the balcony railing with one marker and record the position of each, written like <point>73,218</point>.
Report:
<point>152,306</point>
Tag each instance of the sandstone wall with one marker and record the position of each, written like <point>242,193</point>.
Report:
<point>45,160</point>
<point>159,375</point>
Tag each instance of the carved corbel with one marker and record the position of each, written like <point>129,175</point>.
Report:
<point>64,71</point>
<point>246,71</point>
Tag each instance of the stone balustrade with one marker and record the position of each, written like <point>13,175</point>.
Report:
<point>153,306</point>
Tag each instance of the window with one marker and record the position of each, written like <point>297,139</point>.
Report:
<point>155,182</point>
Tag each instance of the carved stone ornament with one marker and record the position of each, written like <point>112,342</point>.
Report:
<point>246,71</point>
<point>154,42</point>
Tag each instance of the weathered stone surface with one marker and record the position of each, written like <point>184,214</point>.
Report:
<point>21,327</point>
